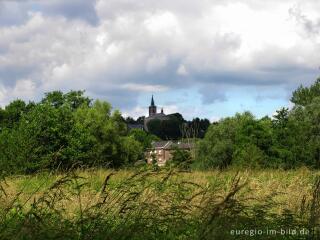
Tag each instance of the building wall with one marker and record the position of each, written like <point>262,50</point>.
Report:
<point>161,155</point>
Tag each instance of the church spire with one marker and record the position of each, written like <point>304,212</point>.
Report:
<point>152,108</point>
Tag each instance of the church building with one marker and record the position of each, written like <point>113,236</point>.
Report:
<point>153,114</point>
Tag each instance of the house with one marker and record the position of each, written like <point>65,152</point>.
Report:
<point>161,151</point>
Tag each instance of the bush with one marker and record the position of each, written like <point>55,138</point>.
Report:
<point>59,133</point>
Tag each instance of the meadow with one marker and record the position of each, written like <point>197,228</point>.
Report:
<point>162,203</point>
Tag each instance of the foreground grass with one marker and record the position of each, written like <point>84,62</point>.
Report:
<point>161,204</point>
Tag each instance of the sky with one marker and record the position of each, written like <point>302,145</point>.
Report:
<point>204,58</point>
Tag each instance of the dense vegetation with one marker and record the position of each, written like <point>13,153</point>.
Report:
<point>164,204</point>
<point>174,127</point>
<point>65,130</point>
<point>290,139</point>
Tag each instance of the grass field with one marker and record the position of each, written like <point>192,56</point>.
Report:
<point>161,204</point>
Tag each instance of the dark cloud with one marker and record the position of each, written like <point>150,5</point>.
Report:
<point>71,9</point>
<point>119,99</point>
<point>213,93</point>
<point>16,12</point>
<point>9,75</point>
<point>13,13</point>
<point>128,47</point>
<point>239,78</point>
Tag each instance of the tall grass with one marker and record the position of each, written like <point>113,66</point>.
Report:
<point>161,204</point>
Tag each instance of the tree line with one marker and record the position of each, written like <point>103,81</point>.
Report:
<point>290,139</point>
<point>65,130</point>
<point>174,127</point>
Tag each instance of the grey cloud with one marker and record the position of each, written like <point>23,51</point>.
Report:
<point>12,13</point>
<point>60,54</point>
<point>310,27</point>
<point>238,78</point>
<point>212,93</point>
<point>11,74</point>
<point>119,99</point>
<point>71,9</point>
<point>112,8</point>
<point>15,12</point>
<point>260,97</point>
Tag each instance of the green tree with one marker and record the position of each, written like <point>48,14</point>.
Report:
<point>166,129</point>
<point>305,95</point>
<point>74,99</point>
<point>216,149</point>
<point>304,135</point>
<point>45,138</point>
<point>143,137</point>
<point>241,140</point>
<point>154,127</point>
<point>13,112</point>
<point>55,99</point>
<point>2,118</point>
<point>181,158</point>
<point>108,132</point>
<point>140,120</point>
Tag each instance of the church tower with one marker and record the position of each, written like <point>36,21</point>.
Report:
<point>152,108</point>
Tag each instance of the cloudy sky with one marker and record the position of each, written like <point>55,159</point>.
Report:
<point>199,57</point>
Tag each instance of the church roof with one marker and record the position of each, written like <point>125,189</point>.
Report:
<point>152,101</point>
<point>158,116</point>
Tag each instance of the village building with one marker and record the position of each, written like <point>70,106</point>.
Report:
<point>161,151</point>
<point>153,114</point>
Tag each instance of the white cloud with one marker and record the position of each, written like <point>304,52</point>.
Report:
<point>135,112</point>
<point>156,63</point>
<point>163,23</point>
<point>24,88</point>
<point>168,109</point>
<point>3,93</point>
<point>182,70</point>
<point>147,46</point>
<point>214,119</point>
<point>144,87</point>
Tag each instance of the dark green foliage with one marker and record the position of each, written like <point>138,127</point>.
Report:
<point>170,129</point>
<point>112,147</point>
<point>13,112</point>
<point>167,129</point>
<point>130,120</point>
<point>67,129</point>
<point>199,126</point>
<point>62,131</point>
<point>45,138</point>
<point>241,141</point>
<point>181,159</point>
<point>291,139</point>
<point>140,120</point>
<point>143,137</point>
<point>305,95</point>
<point>55,99</point>
<point>154,127</point>
<point>73,99</point>
<point>177,127</point>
